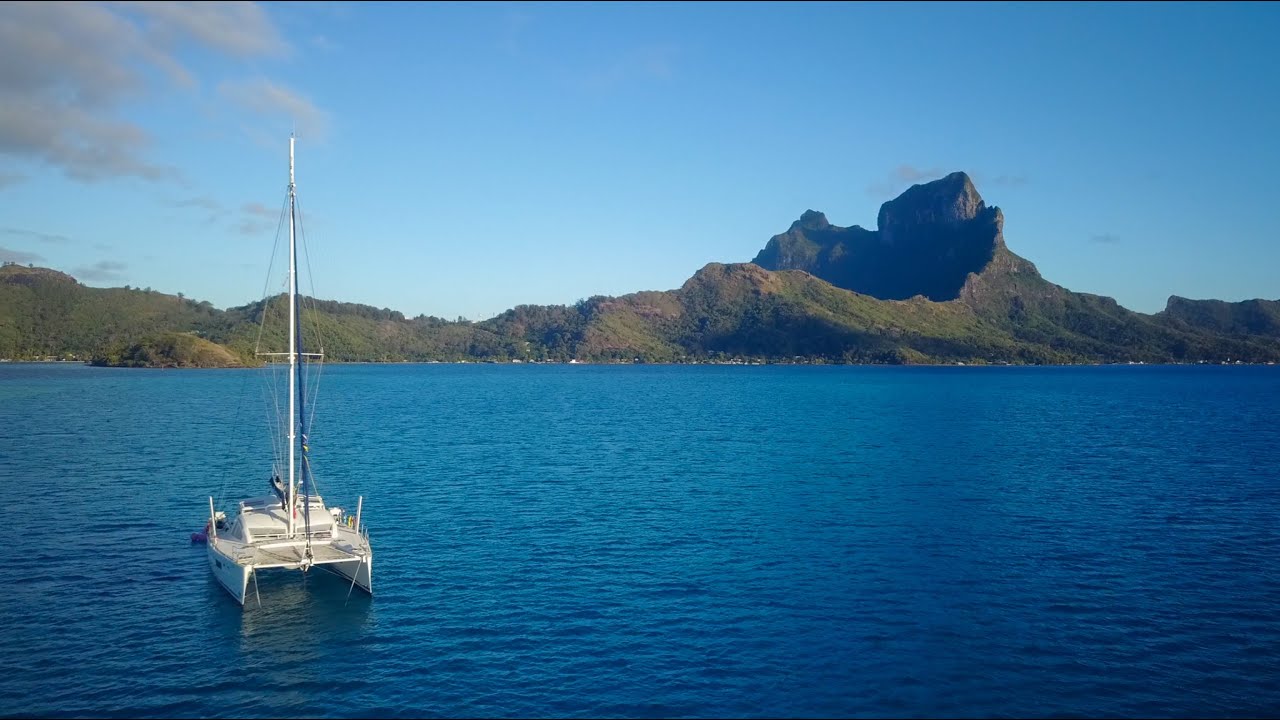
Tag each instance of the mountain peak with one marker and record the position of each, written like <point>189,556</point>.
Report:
<point>811,220</point>
<point>950,200</point>
<point>928,241</point>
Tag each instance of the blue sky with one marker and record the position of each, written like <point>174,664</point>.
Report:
<point>463,158</point>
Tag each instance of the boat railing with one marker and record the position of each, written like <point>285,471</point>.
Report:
<point>235,550</point>
<point>264,537</point>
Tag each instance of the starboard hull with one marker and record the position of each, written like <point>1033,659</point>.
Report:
<point>361,571</point>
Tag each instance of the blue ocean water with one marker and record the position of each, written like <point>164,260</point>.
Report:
<point>633,541</point>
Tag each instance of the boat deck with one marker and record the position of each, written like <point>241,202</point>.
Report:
<point>287,554</point>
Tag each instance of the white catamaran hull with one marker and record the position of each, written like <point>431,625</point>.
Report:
<point>346,554</point>
<point>232,576</point>
<point>361,571</point>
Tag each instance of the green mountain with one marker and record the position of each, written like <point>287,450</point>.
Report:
<point>941,241</point>
<point>45,313</point>
<point>48,314</point>
<point>1250,317</point>
<point>935,282</point>
<point>170,350</point>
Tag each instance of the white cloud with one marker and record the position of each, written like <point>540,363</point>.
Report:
<point>102,271</point>
<point>513,27</point>
<point>271,100</point>
<point>322,42</point>
<point>238,28</point>
<point>644,63</point>
<point>258,219</point>
<point>260,210</point>
<point>214,211</point>
<point>1006,180</point>
<point>910,174</point>
<point>901,178</point>
<point>203,202</point>
<point>68,70</point>
<point>19,256</point>
<point>906,175</point>
<point>35,235</point>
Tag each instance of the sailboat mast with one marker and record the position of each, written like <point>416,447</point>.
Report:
<point>293,347</point>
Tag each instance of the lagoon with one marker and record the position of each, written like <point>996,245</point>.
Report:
<point>635,541</point>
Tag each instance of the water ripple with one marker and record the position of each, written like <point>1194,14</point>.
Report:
<point>659,542</point>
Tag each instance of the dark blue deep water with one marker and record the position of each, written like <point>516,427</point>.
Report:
<point>658,541</point>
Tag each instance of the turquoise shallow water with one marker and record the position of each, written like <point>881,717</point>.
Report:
<point>658,541</point>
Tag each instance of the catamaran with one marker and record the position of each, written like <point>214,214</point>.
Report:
<point>291,528</point>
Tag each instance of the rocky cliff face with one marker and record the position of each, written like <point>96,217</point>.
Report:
<point>933,208</point>
<point>929,240</point>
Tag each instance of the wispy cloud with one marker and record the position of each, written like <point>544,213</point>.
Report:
<point>257,219</point>
<point>253,227</point>
<point>7,179</point>
<point>214,209</point>
<point>202,201</point>
<point>249,219</point>
<point>102,271</point>
<point>322,42</point>
<point>904,175</point>
<point>512,30</point>
<point>1105,239</point>
<point>656,62</point>
<point>257,209</point>
<point>19,256</point>
<point>69,69</point>
<point>35,235</point>
<point>1002,180</point>
<point>242,29</point>
<point>911,174</point>
<point>613,67</point>
<point>273,101</point>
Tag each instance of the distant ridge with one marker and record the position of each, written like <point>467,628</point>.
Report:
<point>1248,317</point>
<point>934,283</point>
